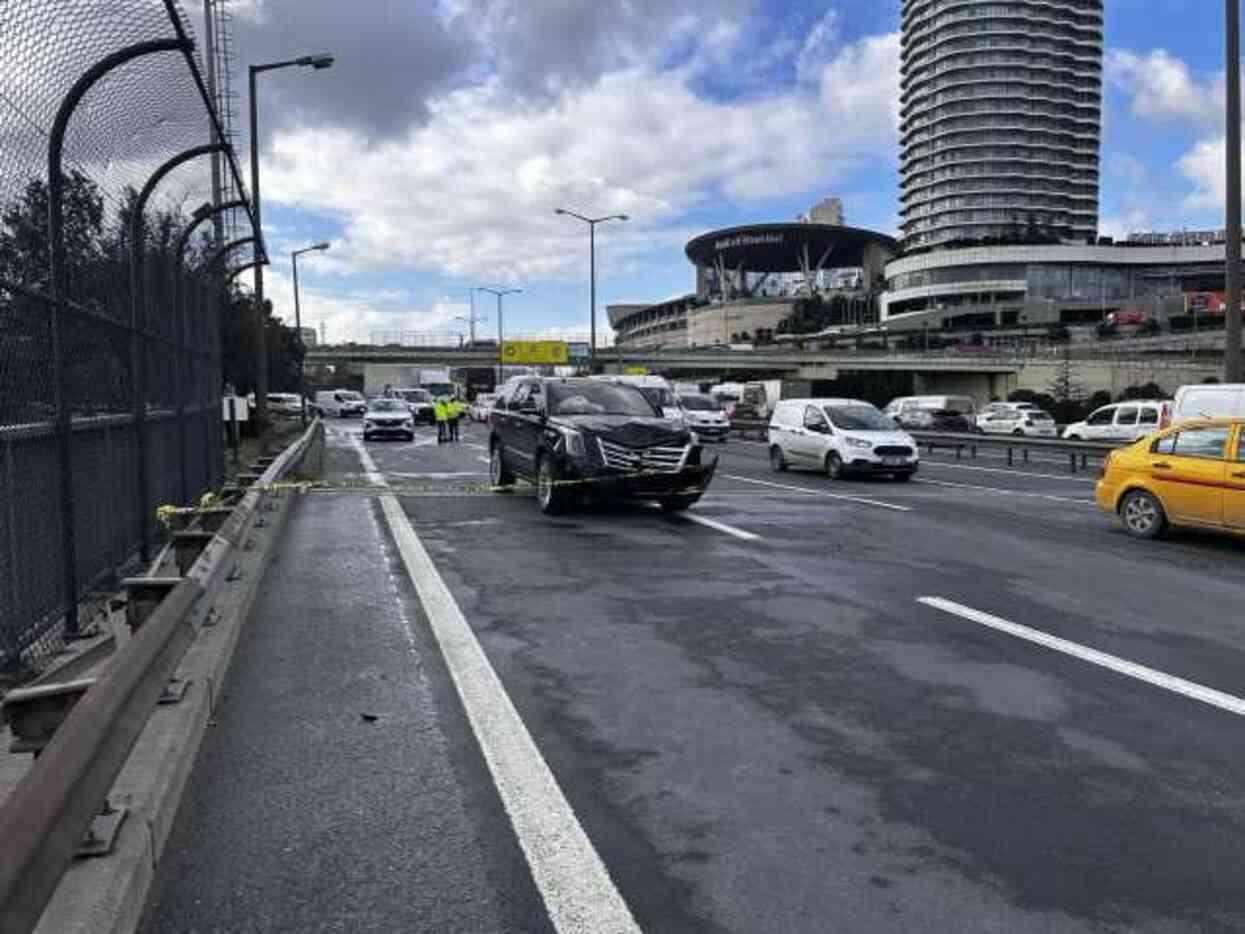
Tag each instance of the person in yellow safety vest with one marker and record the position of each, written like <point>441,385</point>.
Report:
<point>441,411</point>
<point>456,413</point>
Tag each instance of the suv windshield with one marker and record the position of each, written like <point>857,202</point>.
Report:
<point>858,418</point>
<point>585,398</point>
<point>387,405</point>
<point>661,398</point>
<point>699,403</point>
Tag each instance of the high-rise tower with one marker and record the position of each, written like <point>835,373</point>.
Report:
<point>1001,105</point>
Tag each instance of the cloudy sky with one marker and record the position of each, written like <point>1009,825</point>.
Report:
<point>433,154</point>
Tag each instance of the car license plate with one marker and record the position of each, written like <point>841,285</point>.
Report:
<point>892,462</point>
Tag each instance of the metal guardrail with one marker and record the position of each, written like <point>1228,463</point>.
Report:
<point>1078,452</point>
<point>44,819</point>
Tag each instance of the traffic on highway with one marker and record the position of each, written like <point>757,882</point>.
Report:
<point>760,684</point>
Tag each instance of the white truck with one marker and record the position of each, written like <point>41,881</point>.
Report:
<point>438,382</point>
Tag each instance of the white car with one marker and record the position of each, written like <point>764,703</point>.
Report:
<point>839,437</point>
<point>340,403</point>
<point>705,416</point>
<point>1121,421</point>
<point>482,406</point>
<point>388,417</point>
<point>285,403</point>
<point>1026,423</point>
<point>995,408</point>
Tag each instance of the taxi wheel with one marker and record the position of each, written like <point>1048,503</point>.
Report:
<point>1142,515</point>
<point>777,462</point>
<point>834,466</point>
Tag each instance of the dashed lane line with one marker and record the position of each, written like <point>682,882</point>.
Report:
<point>577,890</point>
<point>1002,492</point>
<point>1004,470</point>
<point>864,501</point>
<point>1190,689</point>
<point>721,527</point>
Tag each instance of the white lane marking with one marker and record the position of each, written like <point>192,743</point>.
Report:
<point>577,890</point>
<point>721,527</point>
<point>374,476</point>
<point>485,459</point>
<point>478,447</point>
<point>1008,471</point>
<point>444,475</point>
<point>1160,679</point>
<point>995,489</point>
<point>799,489</point>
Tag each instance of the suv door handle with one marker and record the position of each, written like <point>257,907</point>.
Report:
<point>1161,465</point>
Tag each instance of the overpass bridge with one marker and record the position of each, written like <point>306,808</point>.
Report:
<point>987,372</point>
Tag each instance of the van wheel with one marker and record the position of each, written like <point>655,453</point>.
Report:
<point>550,495</point>
<point>1142,515</point>
<point>1074,438</point>
<point>777,462</point>
<point>834,466</point>
<point>1018,433</point>
<point>501,477</point>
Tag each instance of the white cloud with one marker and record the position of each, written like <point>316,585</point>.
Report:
<point>1162,88</point>
<point>817,45</point>
<point>1203,165</point>
<point>471,192</point>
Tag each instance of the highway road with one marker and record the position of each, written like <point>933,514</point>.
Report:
<point>967,703</point>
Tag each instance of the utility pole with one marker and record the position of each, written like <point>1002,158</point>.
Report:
<point>1232,210</point>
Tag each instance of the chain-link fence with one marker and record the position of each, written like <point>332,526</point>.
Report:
<point>110,301</point>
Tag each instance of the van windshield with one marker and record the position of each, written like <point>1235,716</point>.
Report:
<point>700,403</point>
<point>858,418</point>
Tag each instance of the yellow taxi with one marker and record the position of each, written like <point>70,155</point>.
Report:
<point>1192,474</point>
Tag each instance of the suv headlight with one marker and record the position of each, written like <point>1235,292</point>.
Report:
<point>857,442</point>
<point>574,442</point>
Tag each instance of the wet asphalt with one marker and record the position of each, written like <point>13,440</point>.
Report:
<point>761,734</point>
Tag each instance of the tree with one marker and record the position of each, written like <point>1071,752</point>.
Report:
<point>1067,391</point>
<point>24,253</point>
<point>1150,390</point>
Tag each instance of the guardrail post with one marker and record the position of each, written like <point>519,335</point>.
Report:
<point>1084,461</point>
<point>1009,455</point>
<point>1072,461</point>
<point>1024,453</point>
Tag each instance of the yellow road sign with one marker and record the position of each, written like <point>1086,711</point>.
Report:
<point>535,353</point>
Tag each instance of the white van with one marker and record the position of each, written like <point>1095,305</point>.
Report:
<point>918,411</point>
<point>1213,400</point>
<point>656,389</point>
<point>840,437</point>
<point>1121,421</point>
<point>340,403</point>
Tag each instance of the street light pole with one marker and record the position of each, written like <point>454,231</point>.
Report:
<point>298,328</point>
<point>317,62</point>
<point>1232,209</point>
<point>592,267</point>
<point>499,293</point>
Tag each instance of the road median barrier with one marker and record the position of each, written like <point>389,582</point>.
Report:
<point>116,754</point>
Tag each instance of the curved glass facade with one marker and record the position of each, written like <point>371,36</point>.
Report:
<point>1000,110</point>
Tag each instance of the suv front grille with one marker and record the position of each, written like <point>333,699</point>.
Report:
<point>657,458</point>
<point>892,450</point>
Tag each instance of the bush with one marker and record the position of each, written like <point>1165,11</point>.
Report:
<point>1057,332</point>
<point>1149,390</point>
<point>1107,329</point>
<point>1149,328</point>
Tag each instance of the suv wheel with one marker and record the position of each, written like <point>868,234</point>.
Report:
<point>550,495</point>
<point>834,466</point>
<point>1142,515</point>
<point>1074,438</point>
<point>500,476</point>
<point>777,462</point>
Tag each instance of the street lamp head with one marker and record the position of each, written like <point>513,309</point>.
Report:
<point>623,217</point>
<point>320,246</point>
<point>558,211</point>
<point>317,61</point>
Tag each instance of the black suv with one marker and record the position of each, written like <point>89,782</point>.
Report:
<point>580,439</point>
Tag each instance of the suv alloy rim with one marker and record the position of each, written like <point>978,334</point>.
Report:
<point>544,485</point>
